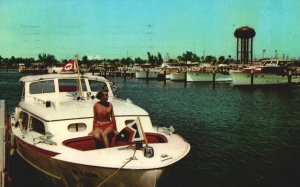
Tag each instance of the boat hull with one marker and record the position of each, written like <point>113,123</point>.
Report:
<point>242,78</point>
<point>177,76</point>
<point>72,174</point>
<point>143,75</point>
<point>207,77</point>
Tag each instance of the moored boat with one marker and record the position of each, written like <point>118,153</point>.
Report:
<point>55,69</point>
<point>147,73</point>
<point>209,74</point>
<point>50,127</point>
<point>270,72</point>
<point>167,70</point>
<point>177,76</point>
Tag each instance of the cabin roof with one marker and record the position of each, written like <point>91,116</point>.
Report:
<point>31,78</point>
<point>79,109</point>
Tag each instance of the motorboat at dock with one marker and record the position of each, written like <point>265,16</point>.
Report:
<point>50,128</point>
<point>270,72</point>
<point>208,73</point>
<point>147,73</point>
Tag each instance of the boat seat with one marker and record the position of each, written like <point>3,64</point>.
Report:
<point>82,143</point>
<point>86,143</point>
<point>151,138</point>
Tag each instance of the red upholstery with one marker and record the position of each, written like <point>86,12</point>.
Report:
<point>151,138</point>
<point>87,143</point>
<point>83,143</point>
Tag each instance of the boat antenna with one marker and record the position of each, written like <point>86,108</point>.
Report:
<point>78,74</point>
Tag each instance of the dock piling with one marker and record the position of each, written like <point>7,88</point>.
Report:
<point>2,144</point>
<point>124,74</point>
<point>147,75</point>
<point>165,76</point>
<point>185,77</point>
<point>214,78</point>
<point>289,77</point>
<point>252,76</point>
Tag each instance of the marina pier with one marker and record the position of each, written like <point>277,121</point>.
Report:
<point>2,144</point>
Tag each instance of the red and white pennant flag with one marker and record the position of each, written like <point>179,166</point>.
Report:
<point>69,67</point>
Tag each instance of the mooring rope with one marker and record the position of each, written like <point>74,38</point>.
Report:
<point>130,159</point>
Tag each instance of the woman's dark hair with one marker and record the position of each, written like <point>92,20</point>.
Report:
<point>100,93</point>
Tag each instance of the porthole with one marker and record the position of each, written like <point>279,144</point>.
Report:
<point>77,127</point>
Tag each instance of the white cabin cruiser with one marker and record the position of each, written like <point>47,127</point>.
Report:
<point>270,72</point>
<point>50,129</point>
<point>147,73</point>
<point>206,73</point>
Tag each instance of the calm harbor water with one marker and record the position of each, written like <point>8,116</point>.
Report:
<point>239,136</point>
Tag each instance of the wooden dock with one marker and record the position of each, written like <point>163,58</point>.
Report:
<point>2,144</point>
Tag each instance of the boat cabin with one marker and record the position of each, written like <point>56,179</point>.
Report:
<point>61,87</point>
<point>61,107</point>
<point>277,62</point>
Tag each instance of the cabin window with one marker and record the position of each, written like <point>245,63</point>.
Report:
<point>77,127</point>
<point>70,85</point>
<point>23,120</point>
<point>42,87</point>
<point>37,126</point>
<point>97,85</point>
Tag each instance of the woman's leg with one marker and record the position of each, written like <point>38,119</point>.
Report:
<point>105,135</point>
<point>97,133</point>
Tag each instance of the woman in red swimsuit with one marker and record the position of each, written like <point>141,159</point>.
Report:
<point>104,122</point>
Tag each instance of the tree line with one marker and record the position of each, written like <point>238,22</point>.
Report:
<point>48,60</point>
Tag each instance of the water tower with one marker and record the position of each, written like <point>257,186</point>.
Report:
<point>244,44</point>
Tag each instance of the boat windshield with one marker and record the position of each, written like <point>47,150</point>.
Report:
<point>42,87</point>
<point>277,63</point>
<point>97,85</point>
<point>70,85</point>
<point>270,63</point>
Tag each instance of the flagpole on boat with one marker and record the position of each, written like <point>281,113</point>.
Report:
<point>78,74</point>
<point>146,141</point>
<point>148,150</point>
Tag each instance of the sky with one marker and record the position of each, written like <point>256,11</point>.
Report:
<point>131,28</point>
